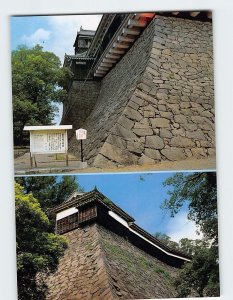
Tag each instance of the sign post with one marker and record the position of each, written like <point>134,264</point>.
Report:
<point>48,140</point>
<point>81,134</point>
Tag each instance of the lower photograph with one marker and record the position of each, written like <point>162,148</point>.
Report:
<point>117,236</point>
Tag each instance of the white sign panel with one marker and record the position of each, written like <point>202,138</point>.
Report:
<point>81,134</point>
<point>48,139</point>
<point>48,142</point>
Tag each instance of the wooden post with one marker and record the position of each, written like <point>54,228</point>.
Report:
<point>35,160</point>
<point>67,159</point>
<point>31,162</point>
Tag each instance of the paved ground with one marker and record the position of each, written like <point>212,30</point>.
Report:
<point>52,164</point>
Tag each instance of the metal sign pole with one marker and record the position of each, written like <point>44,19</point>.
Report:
<point>81,134</point>
<point>82,150</point>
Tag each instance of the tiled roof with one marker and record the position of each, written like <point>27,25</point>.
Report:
<point>79,200</point>
<point>92,196</point>
<point>86,32</point>
<point>78,57</point>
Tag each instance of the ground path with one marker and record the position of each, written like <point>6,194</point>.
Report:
<point>52,164</point>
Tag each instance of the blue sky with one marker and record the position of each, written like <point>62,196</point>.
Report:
<point>55,33</point>
<point>142,200</point>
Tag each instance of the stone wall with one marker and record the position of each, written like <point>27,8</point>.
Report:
<point>101,265</point>
<point>81,272</point>
<point>134,274</point>
<point>157,103</point>
<point>81,100</point>
<point>116,89</point>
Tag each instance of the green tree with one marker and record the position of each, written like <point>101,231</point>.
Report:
<point>199,190</point>
<point>166,240</point>
<point>200,277</point>
<point>38,81</point>
<point>49,190</point>
<point>38,249</point>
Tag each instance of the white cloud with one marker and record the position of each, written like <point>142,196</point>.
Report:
<point>38,37</point>
<point>64,30</point>
<point>180,227</point>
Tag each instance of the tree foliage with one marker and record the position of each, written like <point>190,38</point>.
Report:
<point>38,80</point>
<point>199,190</point>
<point>185,245</point>
<point>166,240</point>
<point>200,277</point>
<point>38,249</point>
<point>49,190</point>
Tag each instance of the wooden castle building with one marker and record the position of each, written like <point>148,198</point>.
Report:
<point>108,255</point>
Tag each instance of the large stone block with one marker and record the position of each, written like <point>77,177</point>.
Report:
<point>154,142</point>
<point>143,131</point>
<point>181,142</point>
<point>125,122</point>
<point>145,160</point>
<point>145,96</point>
<point>198,152</point>
<point>160,123</point>
<point>123,132</point>
<point>118,155</point>
<point>152,153</point>
<point>199,135</point>
<point>132,114</point>
<point>116,141</point>
<point>135,147</point>
<point>143,124</point>
<point>174,153</point>
<point>103,162</point>
<point>180,119</point>
<point>164,133</point>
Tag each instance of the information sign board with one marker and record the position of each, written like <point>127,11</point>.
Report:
<point>81,134</point>
<point>48,139</point>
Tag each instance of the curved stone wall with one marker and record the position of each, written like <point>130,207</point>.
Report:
<point>157,103</point>
<point>101,265</point>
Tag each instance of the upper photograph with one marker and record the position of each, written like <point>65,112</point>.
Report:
<point>113,92</point>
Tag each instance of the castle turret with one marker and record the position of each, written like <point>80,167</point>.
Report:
<point>108,255</point>
<point>83,40</point>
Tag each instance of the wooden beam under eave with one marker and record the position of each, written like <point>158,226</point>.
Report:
<point>175,13</point>
<point>137,23</point>
<point>100,72</point>
<point>122,38</point>
<point>106,64</point>
<point>116,51</point>
<point>103,68</point>
<point>114,56</point>
<point>109,60</point>
<point>194,13</point>
<point>120,45</point>
<point>98,75</point>
<point>130,31</point>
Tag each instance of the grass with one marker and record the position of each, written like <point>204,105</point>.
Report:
<point>134,262</point>
<point>60,156</point>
